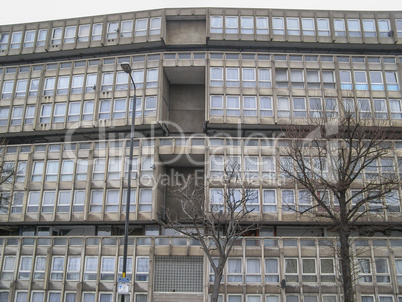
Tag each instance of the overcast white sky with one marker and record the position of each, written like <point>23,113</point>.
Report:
<point>24,11</point>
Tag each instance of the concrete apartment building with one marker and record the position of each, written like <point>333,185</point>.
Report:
<point>213,86</point>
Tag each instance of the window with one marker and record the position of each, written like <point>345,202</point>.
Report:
<point>69,34</point>
<point>8,268</point>
<point>281,77</point>
<point>216,105</point>
<point>16,115</point>
<point>91,267</point>
<point>376,80</point>
<point>59,112</point>
<point>33,87</point>
<point>308,26</point>
<point>24,271</point>
<point>253,270</point>
<point>299,107</point>
<point>76,84</point>
<point>339,25</point>
<point>141,26</point>
<point>216,77</point>
<point>323,27</point>
<point>234,269</point>
<point>250,167</point>
<point>297,78</point>
<point>313,79</point>
<point>52,169</point>
<point>232,77</point>
<point>7,91</point>
<point>138,77</point>
<point>268,167</point>
<point>37,170</point>
<point>392,80</point>
<point>232,105</point>
<point>21,88</point>
<point>37,296</point>
<point>248,77</point>
<point>142,269</point>
<point>346,80</point>
<point>271,270</point>
<point>4,112</point>
<point>17,202</point>
<point>266,106</point>
<point>90,85</point>
<point>41,40</point>
<point>264,78</point>
<point>288,201</point>
<point>16,39</point>
<point>380,109</point>
<point>56,35</point>
<point>364,108</point>
<point>56,272</point>
<point>4,40</point>
<point>145,204</point>
<point>360,80</point>
<point>74,112</point>
<point>293,26</point>
<point>283,107</point>
<point>384,28</point>
<point>88,111</point>
<point>73,268</point>
<point>396,109</point>
<point>291,270</point>
<point>126,28</point>
<point>63,205</point>
<point>79,200</point>
<point>369,28</point>
<point>327,270</point>
<point>39,268</point>
<point>121,80</point>
<point>152,78</point>
<point>82,168</point>
<point>216,24</point>
<point>382,270</point>
<point>150,106</point>
<point>354,28</point>
<point>309,271</point>
<point>112,200</point>
<point>107,268</point>
<point>97,32</point>
<point>261,25</point>
<point>278,26</point>
<point>112,30</point>
<point>48,200</point>
<point>21,296</point>
<point>83,33</point>
<point>269,201</point>
<point>364,270</point>
<point>315,107</point>
<point>96,201</point>
<point>231,25</point>
<point>107,81</point>
<point>155,26</point>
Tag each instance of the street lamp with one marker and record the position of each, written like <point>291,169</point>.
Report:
<point>127,69</point>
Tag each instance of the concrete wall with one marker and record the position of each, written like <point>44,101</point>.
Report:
<point>185,31</point>
<point>187,108</point>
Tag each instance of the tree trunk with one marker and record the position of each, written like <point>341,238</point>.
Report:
<point>215,288</point>
<point>347,273</point>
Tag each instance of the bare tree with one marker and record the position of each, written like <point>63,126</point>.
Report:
<point>349,157</point>
<point>7,172</point>
<point>216,225</point>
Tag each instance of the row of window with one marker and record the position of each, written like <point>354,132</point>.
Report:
<point>289,200</point>
<point>69,296</point>
<point>244,56</point>
<point>71,268</point>
<point>301,107</point>
<point>301,79</point>
<point>81,33</point>
<point>305,298</point>
<point>78,84</point>
<point>74,201</point>
<point>78,111</point>
<point>294,26</point>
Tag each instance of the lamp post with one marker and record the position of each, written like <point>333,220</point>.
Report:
<point>127,69</point>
